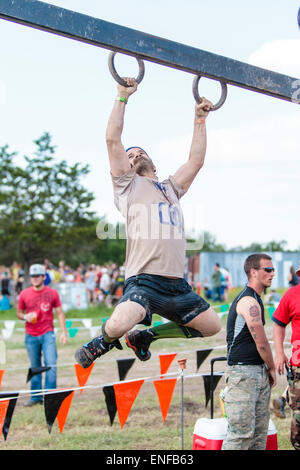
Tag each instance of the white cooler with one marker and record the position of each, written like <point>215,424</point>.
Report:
<point>209,434</point>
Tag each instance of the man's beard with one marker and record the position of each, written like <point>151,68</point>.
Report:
<point>143,165</point>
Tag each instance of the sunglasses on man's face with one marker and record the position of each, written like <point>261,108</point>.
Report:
<point>36,275</point>
<point>268,270</point>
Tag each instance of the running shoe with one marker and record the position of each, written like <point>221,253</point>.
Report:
<point>88,353</point>
<point>139,341</point>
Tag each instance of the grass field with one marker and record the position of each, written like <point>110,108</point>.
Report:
<point>88,425</point>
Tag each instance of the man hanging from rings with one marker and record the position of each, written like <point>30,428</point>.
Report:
<point>155,251</point>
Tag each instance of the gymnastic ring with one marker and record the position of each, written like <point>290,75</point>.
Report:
<point>117,77</point>
<point>199,100</point>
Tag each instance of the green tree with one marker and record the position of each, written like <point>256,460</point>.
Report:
<point>207,242</point>
<point>257,247</point>
<point>276,246</point>
<point>44,209</point>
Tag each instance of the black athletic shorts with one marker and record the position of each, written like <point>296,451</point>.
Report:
<point>173,299</point>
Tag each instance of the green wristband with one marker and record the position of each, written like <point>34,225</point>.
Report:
<point>120,98</point>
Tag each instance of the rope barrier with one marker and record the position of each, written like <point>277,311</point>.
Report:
<point>145,379</point>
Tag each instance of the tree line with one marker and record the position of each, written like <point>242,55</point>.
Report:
<point>45,211</point>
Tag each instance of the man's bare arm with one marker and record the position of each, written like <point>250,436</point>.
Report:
<point>119,163</point>
<point>280,358</point>
<point>250,310</point>
<point>62,323</point>
<point>186,174</point>
<point>29,317</point>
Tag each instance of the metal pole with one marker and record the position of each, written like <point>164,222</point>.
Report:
<point>84,28</point>
<point>223,358</point>
<point>182,364</point>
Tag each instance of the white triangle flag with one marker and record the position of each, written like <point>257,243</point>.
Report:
<point>6,333</point>
<point>87,322</point>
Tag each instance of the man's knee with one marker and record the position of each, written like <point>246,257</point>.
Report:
<point>213,329</point>
<point>125,316</point>
<point>207,323</point>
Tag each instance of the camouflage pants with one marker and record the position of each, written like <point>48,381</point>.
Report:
<point>294,403</point>
<point>247,407</point>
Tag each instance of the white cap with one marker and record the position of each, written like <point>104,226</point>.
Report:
<point>37,270</point>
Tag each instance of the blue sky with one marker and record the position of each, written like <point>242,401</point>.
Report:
<point>248,189</point>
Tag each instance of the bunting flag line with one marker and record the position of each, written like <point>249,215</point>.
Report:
<point>165,362</point>
<point>119,397</point>
<point>45,391</point>
<point>126,394</point>
<point>32,371</point>
<point>202,354</point>
<point>1,375</point>
<point>206,379</point>
<point>124,365</point>
<point>52,405</point>
<point>7,406</point>
<point>83,374</point>
<point>110,400</point>
<point>164,389</point>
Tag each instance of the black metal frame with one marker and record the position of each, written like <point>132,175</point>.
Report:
<point>211,391</point>
<point>97,32</point>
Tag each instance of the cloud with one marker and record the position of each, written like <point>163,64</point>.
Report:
<point>281,56</point>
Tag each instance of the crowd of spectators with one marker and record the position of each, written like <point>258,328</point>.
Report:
<point>103,283</point>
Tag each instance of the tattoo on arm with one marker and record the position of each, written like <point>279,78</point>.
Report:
<point>254,313</point>
<point>252,329</point>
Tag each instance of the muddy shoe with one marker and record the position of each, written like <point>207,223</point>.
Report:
<point>139,341</point>
<point>88,353</point>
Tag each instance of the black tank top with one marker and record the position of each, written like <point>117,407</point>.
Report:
<point>241,347</point>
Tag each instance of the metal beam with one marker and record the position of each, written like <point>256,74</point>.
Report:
<point>97,32</point>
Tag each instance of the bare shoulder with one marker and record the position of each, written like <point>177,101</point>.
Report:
<point>249,307</point>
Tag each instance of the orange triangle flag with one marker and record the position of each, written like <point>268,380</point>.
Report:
<point>1,375</point>
<point>63,411</point>
<point>3,409</point>
<point>165,361</point>
<point>83,374</point>
<point>164,389</point>
<point>126,394</point>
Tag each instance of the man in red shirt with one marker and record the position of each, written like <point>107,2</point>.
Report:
<point>288,311</point>
<point>35,307</point>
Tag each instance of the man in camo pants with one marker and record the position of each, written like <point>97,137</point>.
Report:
<point>288,311</point>
<point>251,369</point>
